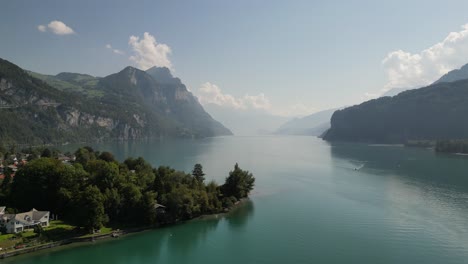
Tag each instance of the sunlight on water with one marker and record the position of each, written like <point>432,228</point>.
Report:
<point>313,203</point>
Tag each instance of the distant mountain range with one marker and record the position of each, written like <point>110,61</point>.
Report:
<point>72,107</point>
<point>247,122</point>
<point>312,125</point>
<point>437,111</point>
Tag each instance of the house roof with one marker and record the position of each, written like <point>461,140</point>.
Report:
<point>27,217</point>
<point>156,206</point>
<point>39,214</point>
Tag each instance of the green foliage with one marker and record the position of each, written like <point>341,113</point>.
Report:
<point>238,184</point>
<point>96,189</point>
<point>198,173</point>
<point>39,183</point>
<point>46,153</point>
<point>38,230</point>
<point>89,209</point>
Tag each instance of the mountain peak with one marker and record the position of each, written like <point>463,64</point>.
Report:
<point>129,69</point>
<point>163,75</point>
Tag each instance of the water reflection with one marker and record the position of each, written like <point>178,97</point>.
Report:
<point>240,216</point>
<point>416,192</point>
<point>157,152</point>
<point>186,239</point>
<point>415,163</point>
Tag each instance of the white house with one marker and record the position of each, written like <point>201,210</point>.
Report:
<point>15,223</point>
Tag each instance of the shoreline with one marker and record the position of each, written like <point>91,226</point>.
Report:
<point>82,241</point>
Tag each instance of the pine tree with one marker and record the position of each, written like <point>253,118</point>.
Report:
<point>197,173</point>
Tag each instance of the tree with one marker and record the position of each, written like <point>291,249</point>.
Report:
<point>89,209</point>
<point>42,184</point>
<point>103,174</point>
<point>46,153</point>
<point>238,184</point>
<point>6,183</point>
<point>38,230</point>
<point>85,154</point>
<point>197,173</point>
<point>107,156</point>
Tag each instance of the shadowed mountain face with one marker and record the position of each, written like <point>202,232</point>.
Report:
<point>435,112</point>
<point>183,106</point>
<point>70,107</point>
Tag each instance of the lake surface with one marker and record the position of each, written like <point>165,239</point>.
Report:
<point>314,202</point>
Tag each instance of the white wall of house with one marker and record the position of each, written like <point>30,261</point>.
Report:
<point>14,226</point>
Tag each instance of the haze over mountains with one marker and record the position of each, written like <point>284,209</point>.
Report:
<point>250,122</point>
<point>312,125</point>
<point>71,107</point>
<point>435,112</point>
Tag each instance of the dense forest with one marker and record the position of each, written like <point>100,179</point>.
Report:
<point>435,112</point>
<point>96,190</point>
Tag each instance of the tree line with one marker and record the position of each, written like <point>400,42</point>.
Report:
<point>452,146</point>
<point>97,190</point>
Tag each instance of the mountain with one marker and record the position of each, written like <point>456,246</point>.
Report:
<point>395,91</point>
<point>452,76</point>
<point>246,122</point>
<point>455,75</point>
<point>70,107</point>
<point>183,106</point>
<point>81,84</point>
<point>434,112</point>
<point>313,125</point>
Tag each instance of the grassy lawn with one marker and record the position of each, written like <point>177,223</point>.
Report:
<point>6,237</point>
<point>56,224</point>
<point>104,231</point>
<point>57,230</point>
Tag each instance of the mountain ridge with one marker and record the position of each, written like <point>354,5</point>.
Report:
<point>433,112</point>
<point>73,107</point>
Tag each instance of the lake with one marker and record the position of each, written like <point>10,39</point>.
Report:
<point>314,202</point>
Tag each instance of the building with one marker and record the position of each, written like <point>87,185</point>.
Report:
<point>160,209</point>
<point>15,223</point>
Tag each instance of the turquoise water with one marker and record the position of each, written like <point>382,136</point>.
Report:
<point>313,203</point>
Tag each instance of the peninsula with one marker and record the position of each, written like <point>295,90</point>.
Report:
<point>88,193</point>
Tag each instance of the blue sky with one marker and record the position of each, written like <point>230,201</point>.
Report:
<point>284,57</point>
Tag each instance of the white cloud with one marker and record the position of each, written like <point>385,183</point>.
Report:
<point>116,51</point>
<point>42,28</point>
<point>210,93</point>
<point>149,53</point>
<point>408,70</point>
<point>369,96</point>
<point>56,27</point>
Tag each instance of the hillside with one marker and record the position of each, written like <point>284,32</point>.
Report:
<point>312,125</point>
<point>73,107</point>
<point>455,75</point>
<point>435,112</point>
